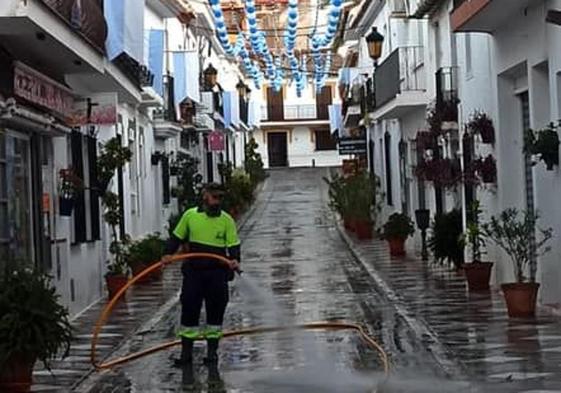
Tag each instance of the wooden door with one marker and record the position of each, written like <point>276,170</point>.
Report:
<point>278,149</point>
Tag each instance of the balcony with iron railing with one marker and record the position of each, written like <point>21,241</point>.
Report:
<point>165,119</point>
<point>484,15</point>
<point>400,82</point>
<point>294,112</point>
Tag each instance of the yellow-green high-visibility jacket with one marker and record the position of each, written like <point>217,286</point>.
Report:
<point>216,235</point>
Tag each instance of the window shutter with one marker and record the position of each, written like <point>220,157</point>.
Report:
<point>165,180</point>
<point>94,192</point>
<point>80,203</point>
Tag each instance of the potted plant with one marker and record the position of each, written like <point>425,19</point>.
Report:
<point>70,185</point>
<point>33,325</point>
<point>480,124</point>
<point>253,163</point>
<point>144,253</point>
<point>113,156</point>
<point>426,140</point>
<point>396,231</point>
<point>117,267</point>
<point>486,169</point>
<point>338,199</point>
<point>360,195</point>
<point>544,144</point>
<point>446,238</point>
<point>443,172</point>
<point>513,232</point>
<point>478,272</point>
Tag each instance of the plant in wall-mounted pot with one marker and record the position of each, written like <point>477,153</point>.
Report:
<point>478,272</point>
<point>33,325</point>
<point>70,186</point>
<point>482,125</point>
<point>396,231</point>
<point>544,144</point>
<point>487,169</point>
<point>156,157</point>
<point>426,140</point>
<point>515,232</point>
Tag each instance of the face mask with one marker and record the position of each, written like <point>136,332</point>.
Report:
<point>213,210</point>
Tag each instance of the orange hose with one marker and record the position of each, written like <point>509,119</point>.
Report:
<point>248,331</point>
<point>109,307</point>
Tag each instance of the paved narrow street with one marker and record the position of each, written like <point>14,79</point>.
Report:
<point>297,269</point>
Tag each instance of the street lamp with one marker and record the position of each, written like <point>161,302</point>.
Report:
<point>374,40</point>
<point>210,75</point>
<point>240,87</point>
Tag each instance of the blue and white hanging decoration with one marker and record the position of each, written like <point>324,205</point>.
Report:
<point>274,65</point>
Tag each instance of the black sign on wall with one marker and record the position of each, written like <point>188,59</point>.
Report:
<point>352,146</point>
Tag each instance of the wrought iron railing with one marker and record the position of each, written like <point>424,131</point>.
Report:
<point>167,113</point>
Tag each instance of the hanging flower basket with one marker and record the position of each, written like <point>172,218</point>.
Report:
<point>426,140</point>
<point>544,144</point>
<point>482,124</point>
<point>443,172</point>
<point>65,206</point>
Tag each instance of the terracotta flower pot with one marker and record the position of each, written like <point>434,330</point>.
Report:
<point>521,299</point>
<point>363,229</point>
<point>139,268</point>
<point>478,275</point>
<point>397,246</point>
<point>157,273</point>
<point>66,206</point>
<point>17,374</point>
<point>115,283</point>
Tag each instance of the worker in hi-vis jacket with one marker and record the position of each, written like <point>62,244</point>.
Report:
<point>205,229</point>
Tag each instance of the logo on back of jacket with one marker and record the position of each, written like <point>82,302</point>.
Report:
<point>221,236</point>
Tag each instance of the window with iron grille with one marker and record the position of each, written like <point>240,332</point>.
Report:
<point>324,140</point>
<point>87,226</point>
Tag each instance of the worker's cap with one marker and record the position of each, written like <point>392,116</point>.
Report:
<point>215,189</point>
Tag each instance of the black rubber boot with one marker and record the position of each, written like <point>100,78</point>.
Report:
<point>212,352</point>
<point>186,353</point>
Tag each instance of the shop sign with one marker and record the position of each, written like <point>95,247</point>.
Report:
<point>97,109</point>
<point>39,89</point>
<point>216,141</point>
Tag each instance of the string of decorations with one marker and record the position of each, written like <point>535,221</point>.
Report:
<point>274,69</point>
<point>290,43</point>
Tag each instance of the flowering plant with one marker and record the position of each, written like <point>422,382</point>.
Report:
<point>70,184</point>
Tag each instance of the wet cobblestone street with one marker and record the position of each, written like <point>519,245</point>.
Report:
<point>299,269</point>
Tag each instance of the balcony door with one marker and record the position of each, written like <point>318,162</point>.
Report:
<point>323,100</point>
<point>275,104</point>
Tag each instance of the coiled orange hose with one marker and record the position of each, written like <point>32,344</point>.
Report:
<point>241,332</point>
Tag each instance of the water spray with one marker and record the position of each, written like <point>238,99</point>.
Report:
<point>225,262</point>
